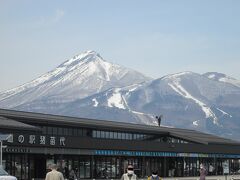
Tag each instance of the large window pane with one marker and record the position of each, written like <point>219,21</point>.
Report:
<point>18,166</point>
<point>115,134</point>
<point>102,134</point>
<point>87,169</point>
<point>98,134</point>
<point>111,135</point>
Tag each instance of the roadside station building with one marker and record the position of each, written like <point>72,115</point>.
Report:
<point>103,149</point>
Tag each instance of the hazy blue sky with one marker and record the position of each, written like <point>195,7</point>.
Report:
<point>155,37</point>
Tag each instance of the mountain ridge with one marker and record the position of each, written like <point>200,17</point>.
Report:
<point>89,86</point>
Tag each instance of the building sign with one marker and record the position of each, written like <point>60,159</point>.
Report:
<point>62,141</point>
<point>21,139</point>
<point>33,139</point>
<point>42,140</point>
<point>52,141</point>
<point>16,150</point>
<point>135,153</point>
<point>161,154</point>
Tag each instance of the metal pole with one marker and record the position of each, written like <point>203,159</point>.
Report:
<point>1,153</point>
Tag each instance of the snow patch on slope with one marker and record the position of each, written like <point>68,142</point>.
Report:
<point>230,80</point>
<point>195,123</point>
<point>176,86</point>
<point>211,76</point>
<point>224,113</point>
<point>222,78</point>
<point>95,102</point>
<point>116,100</point>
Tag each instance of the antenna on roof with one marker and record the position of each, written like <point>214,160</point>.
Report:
<point>159,119</point>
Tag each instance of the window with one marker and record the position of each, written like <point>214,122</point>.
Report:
<point>134,136</point>
<point>70,131</point>
<point>124,136</point>
<point>107,134</point>
<point>115,135</point>
<point>119,135</point>
<point>102,134</point>
<point>49,130</point>
<point>54,130</point>
<point>98,134</point>
<point>44,130</point>
<point>85,170</point>
<point>94,134</point>
<point>75,132</point>
<point>80,132</point>
<point>84,132</point>
<point>65,132</point>
<point>60,131</point>
<point>111,135</point>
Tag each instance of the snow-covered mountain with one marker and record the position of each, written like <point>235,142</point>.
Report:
<point>222,77</point>
<point>79,77</point>
<point>187,100</point>
<point>87,86</point>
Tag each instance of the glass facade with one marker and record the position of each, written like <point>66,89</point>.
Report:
<point>19,165</point>
<point>25,166</point>
<point>111,164</point>
<point>81,132</point>
<point>235,166</point>
<point>60,131</point>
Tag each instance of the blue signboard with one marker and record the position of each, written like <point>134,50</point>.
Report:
<point>161,154</point>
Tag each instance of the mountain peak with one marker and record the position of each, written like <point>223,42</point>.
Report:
<point>89,53</point>
<point>83,75</point>
<point>86,56</point>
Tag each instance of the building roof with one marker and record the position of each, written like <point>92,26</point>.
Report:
<point>12,124</point>
<point>20,118</point>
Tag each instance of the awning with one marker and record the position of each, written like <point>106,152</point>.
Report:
<point>14,124</point>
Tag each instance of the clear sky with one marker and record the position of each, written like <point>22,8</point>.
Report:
<point>155,37</point>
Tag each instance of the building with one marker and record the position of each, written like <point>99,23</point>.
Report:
<point>100,149</point>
